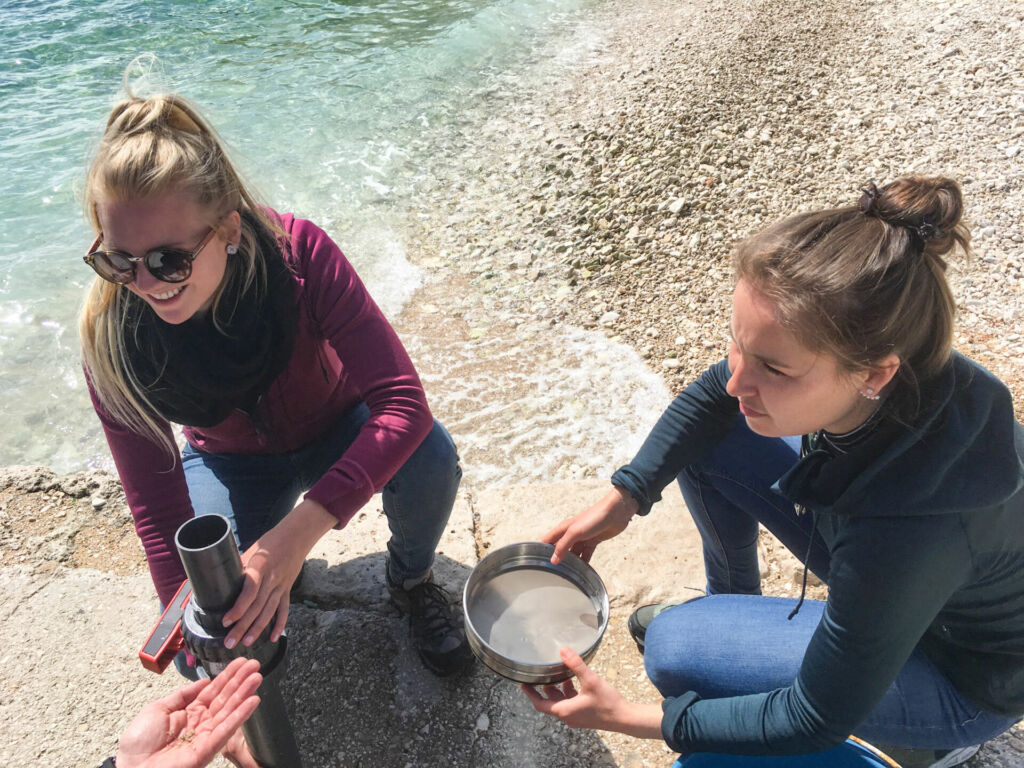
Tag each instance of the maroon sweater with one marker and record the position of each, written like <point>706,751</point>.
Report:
<point>345,352</point>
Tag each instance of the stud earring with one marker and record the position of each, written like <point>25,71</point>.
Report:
<point>232,249</point>
<point>869,393</point>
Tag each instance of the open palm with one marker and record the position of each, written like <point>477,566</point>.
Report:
<point>189,727</point>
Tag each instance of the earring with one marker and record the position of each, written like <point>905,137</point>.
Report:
<point>232,249</point>
<point>869,393</point>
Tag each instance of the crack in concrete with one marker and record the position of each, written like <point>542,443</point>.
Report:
<point>48,579</point>
<point>478,545</point>
<point>489,702</point>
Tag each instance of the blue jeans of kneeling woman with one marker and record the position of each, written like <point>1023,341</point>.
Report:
<point>735,642</point>
<point>254,492</point>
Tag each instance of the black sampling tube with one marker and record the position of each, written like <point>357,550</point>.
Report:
<point>208,551</point>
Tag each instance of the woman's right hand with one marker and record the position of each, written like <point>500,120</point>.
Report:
<point>582,533</point>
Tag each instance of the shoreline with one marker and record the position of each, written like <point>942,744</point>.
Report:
<point>593,210</point>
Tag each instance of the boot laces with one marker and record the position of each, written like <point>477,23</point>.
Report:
<point>430,604</point>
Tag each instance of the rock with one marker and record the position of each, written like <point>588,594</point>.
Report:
<point>676,206</point>
<point>522,260</point>
<point>28,478</point>
<point>796,575</point>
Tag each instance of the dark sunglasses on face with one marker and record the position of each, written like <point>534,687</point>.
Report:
<point>169,265</point>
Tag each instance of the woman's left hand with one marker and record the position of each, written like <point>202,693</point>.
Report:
<point>595,705</point>
<point>189,727</point>
<point>269,568</point>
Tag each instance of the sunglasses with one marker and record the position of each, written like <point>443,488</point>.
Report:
<point>169,265</point>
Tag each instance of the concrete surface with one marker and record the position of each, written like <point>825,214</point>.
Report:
<point>70,679</point>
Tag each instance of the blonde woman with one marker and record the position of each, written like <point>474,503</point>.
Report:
<point>252,330</point>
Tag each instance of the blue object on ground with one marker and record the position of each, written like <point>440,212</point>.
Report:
<point>852,753</point>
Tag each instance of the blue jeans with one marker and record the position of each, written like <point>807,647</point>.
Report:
<point>254,492</point>
<point>735,642</point>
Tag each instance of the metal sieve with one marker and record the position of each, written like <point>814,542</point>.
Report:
<point>517,632</point>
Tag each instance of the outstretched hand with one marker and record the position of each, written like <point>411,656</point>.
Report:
<point>595,705</point>
<point>582,533</point>
<point>189,727</point>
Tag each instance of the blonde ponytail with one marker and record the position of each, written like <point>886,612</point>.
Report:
<point>151,147</point>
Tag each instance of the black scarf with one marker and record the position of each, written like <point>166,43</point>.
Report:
<point>195,374</point>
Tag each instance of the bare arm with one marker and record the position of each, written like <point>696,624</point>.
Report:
<point>595,705</point>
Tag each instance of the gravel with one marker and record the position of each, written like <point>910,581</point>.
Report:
<point>614,202</point>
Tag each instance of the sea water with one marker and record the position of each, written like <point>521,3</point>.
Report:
<point>338,111</point>
<point>529,614</point>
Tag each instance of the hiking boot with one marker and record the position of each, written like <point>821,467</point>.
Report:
<point>434,626</point>
<point>641,619</point>
<point>931,758</point>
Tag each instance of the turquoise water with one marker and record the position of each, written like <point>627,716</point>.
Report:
<point>336,110</point>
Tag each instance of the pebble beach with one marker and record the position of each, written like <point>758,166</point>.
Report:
<point>614,202</point>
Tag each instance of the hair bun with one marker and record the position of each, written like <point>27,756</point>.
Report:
<point>869,198</point>
<point>928,207</point>
<point>161,112</point>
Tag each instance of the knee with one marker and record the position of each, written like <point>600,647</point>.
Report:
<point>666,655</point>
<point>437,452</point>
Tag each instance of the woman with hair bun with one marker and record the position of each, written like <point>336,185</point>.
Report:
<point>252,330</point>
<point>889,464</point>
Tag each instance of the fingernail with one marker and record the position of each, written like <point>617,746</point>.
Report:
<point>249,639</point>
<point>230,642</point>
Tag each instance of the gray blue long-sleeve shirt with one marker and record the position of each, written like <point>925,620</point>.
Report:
<point>925,525</point>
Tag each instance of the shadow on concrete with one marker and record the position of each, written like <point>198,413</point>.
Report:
<point>359,696</point>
